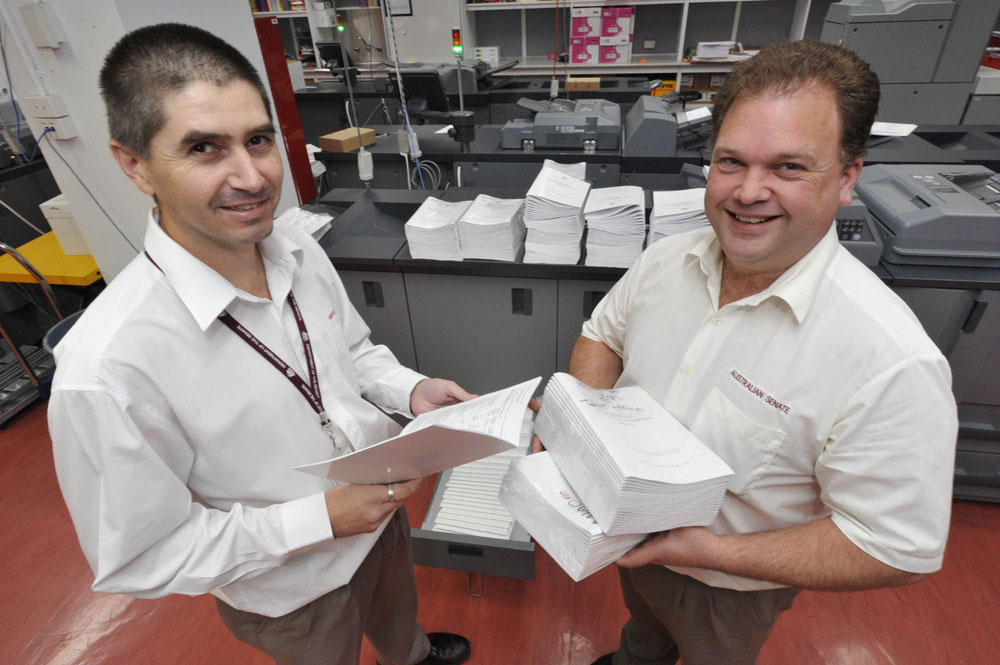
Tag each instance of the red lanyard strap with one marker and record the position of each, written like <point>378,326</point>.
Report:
<point>311,392</point>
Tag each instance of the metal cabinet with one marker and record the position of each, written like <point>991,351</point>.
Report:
<point>577,300</point>
<point>486,333</point>
<point>380,298</point>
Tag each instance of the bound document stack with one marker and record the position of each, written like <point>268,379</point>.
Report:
<point>432,231</point>
<point>547,507</point>
<point>616,226</point>
<point>676,212</point>
<point>553,214</point>
<point>636,468</point>
<point>492,229</point>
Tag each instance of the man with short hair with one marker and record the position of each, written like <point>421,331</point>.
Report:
<point>789,359</point>
<point>223,356</point>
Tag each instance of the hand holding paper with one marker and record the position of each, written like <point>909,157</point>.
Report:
<point>437,440</point>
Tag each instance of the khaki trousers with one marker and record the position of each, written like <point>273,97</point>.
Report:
<point>675,616</point>
<point>380,602</point>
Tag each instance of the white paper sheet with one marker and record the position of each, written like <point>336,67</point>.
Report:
<point>437,440</point>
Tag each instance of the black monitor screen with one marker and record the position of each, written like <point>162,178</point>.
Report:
<point>425,85</point>
<point>329,55</point>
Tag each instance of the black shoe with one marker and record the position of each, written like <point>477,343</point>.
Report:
<point>447,649</point>
<point>603,660</point>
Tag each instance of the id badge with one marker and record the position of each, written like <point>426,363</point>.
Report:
<point>341,442</point>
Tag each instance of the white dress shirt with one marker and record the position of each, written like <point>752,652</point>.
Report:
<point>822,392</point>
<point>174,440</point>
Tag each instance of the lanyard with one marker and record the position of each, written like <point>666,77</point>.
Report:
<point>309,391</point>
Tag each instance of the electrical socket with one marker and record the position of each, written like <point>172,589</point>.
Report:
<point>649,43</point>
<point>46,106</point>
<point>62,128</point>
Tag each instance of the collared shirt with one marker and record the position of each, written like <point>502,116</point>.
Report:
<point>822,392</point>
<point>175,441</point>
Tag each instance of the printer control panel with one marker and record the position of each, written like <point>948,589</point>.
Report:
<point>856,231</point>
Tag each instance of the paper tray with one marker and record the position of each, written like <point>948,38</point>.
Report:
<point>510,557</point>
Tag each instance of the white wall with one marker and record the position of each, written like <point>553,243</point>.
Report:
<point>91,28</point>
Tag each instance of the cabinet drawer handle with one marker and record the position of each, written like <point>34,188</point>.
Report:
<point>975,316</point>
<point>590,300</point>
<point>465,550</point>
<point>521,301</point>
<point>373,294</point>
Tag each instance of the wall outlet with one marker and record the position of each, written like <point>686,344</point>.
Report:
<point>62,128</point>
<point>48,106</point>
<point>649,43</point>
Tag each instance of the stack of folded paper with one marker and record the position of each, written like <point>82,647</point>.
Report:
<point>616,226</point>
<point>636,468</point>
<point>541,500</point>
<point>492,228</point>
<point>553,215</point>
<point>676,212</point>
<point>432,231</point>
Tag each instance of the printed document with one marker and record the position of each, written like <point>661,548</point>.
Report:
<point>437,440</point>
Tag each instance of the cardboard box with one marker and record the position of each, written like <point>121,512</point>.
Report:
<point>716,80</point>
<point>621,53</point>
<point>60,218</point>
<point>583,83</point>
<point>585,49</point>
<point>665,88</point>
<point>346,140</point>
<point>586,22</point>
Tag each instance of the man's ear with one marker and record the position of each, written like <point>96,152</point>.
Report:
<point>133,165</point>
<point>848,178</point>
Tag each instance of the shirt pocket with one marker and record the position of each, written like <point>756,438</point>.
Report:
<point>746,446</point>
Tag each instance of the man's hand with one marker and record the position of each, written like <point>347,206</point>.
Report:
<point>430,394</point>
<point>355,509</point>
<point>687,546</point>
<point>536,443</point>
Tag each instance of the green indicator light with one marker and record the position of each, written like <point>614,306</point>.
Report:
<point>340,28</point>
<point>456,49</point>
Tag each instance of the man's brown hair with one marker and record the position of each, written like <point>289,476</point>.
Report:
<point>789,67</point>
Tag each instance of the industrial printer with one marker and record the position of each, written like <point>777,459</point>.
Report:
<point>940,226</point>
<point>588,124</point>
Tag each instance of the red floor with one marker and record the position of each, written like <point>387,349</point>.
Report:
<point>50,617</point>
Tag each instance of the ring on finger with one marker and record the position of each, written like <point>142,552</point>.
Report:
<point>392,492</point>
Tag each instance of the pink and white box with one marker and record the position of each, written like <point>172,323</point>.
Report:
<point>617,24</point>
<point>585,49</point>
<point>586,22</point>
<point>616,53</point>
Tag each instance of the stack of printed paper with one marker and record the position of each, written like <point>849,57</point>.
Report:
<point>492,229</point>
<point>616,226</point>
<point>577,169</point>
<point>469,502</point>
<point>676,212</point>
<point>541,500</point>
<point>432,231</point>
<point>636,468</point>
<point>553,214</point>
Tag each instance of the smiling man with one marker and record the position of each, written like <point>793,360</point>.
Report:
<point>223,356</point>
<point>789,359</point>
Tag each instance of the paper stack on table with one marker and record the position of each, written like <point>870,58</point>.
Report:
<point>577,169</point>
<point>553,214</point>
<point>432,231</point>
<point>676,212</point>
<point>469,502</point>
<point>541,500</point>
<point>492,228</point>
<point>616,226</point>
<point>634,465</point>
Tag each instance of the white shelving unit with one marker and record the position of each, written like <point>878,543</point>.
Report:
<point>666,63</point>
